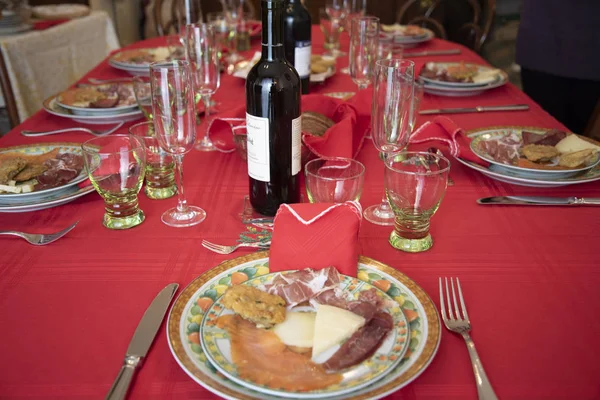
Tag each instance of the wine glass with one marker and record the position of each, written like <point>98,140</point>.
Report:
<point>354,9</point>
<point>174,112</point>
<point>186,12</point>
<point>331,21</point>
<point>364,39</point>
<point>391,116</point>
<point>203,57</point>
<point>234,13</point>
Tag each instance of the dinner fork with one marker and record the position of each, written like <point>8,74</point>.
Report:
<point>462,325</point>
<point>221,249</point>
<point>40,239</point>
<point>90,131</point>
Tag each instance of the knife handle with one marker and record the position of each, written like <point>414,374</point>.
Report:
<point>119,389</point>
<point>514,107</point>
<point>583,200</point>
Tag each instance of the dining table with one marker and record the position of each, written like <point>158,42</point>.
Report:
<point>530,275</point>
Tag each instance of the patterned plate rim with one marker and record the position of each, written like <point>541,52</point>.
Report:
<point>48,108</point>
<point>432,341</point>
<point>316,394</point>
<point>485,157</point>
<point>455,89</point>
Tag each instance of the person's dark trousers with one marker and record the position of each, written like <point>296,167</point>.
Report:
<point>569,100</point>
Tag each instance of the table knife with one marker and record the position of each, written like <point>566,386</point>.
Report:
<point>540,201</point>
<point>511,107</point>
<point>432,53</point>
<point>141,341</point>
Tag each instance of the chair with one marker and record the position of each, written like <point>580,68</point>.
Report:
<point>167,13</point>
<point>463,21</point>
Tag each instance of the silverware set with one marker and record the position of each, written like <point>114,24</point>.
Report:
<point>40,239</point>
<point>456,319</point>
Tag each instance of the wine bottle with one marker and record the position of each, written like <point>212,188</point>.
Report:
<point>297,33</point>
<point>273,119</point>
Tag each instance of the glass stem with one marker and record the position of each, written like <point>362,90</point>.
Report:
<point>385,204</point>
<point>206,100</point>
<point>181,202</point>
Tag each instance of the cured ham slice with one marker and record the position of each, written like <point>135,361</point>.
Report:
<point>550,138</point>
<point>362,344</point>
<point>301,286</point>
<point>504,150</point>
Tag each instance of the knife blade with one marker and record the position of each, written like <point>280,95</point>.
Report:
<point>432,53</point>
<point>539,201</point>
<point>510,107</point>
<point>142,340</point>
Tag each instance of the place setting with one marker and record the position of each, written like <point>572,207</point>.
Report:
<point>460,79</point>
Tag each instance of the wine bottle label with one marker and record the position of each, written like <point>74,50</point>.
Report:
<point>296,145</point>
<point>257,135</point>
<point>302,58</point>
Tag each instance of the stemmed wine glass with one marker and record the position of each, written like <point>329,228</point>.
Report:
<point>234,12</point>
<point>332,17</point>
<point>174,112</point>
<point>364,40</point>
<point>354,9</point>
<point>186,12</point>
<point>203,57</point>
<point>391,119</point>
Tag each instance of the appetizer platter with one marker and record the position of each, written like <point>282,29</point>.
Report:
<point>321,67</point>
<point>511,151</point>
<point>36,171</point>
<point>460,79</point>
<point>102,99</point>
<point>236,325</point>
<point>407,35</point>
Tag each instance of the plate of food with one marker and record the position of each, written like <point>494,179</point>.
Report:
<point>51,106</point>
<point>530,175</point>
<point>408,35</point>
<point>41,203</point>
<point>536,153</point>
<point>137,61</point>
<point>464,91</point>
<point>461,74</point>
<point>35,171</point>
<point>102,99</point>
<point>203,312</point>
<point>321,67</point>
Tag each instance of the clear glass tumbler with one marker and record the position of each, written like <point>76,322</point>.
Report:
<point>334,180</point>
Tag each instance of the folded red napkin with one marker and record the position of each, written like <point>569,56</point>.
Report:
<point>443,129</point>
<point>316,235</point>
<point>45,24</point>
<point>344,139</point>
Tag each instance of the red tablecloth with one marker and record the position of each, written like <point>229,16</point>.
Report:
<point>530,275</point>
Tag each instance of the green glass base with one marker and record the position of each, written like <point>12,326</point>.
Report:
<point>411,245</point>
<point>160,193</point>
<point>123,222</point>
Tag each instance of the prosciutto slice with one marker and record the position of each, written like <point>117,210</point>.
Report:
<point>302,286</point>
<point>504,150</point>
<point>362,344</point>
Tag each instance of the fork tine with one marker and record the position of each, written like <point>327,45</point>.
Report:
<point>458,316</point>
<point>442,305</point>
<point>450,313</point>
<point>215,247</point>
<point>462,301</point>
<point>55,236</point>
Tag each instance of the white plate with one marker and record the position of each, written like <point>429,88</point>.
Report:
<point>480,68</point>
<point>411,41</point>
<point>41,149</point>
<point>186,315</point>
<point>51,106</point>
<point>495,133</point>
<point>314,78</point>
<point>57,199</point>
<point>504,175</point>
<point>448,91</point>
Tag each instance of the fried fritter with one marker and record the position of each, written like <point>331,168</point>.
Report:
<point>29,172</point>
<point>576,158</point>
<point>539,152</point>
<point>9,168</point>
<point>262,308</point>
<point>318,67</point>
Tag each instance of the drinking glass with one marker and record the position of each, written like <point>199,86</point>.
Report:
<point>143,95</point>
<point>364,39</point>
<point>174,113</point>
<point>331,18</point>
<point>219,23</point>
<point>389,49</point>
<point>334,180</point>
<point>115,165</point>
<point>354,9</point>
<point>160,167</point>
<point>203,57</point>
<point>391,116</point>
<point>234,13</point>
<point>415,183</point>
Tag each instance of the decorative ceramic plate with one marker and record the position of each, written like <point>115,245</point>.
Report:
<point>449,91</point>
<point>217,347</point>
<point>412,41</point>
<point>74,148</point>
<point>51,106</point>
<point>497,133</point>
<point>196,299</point>
<point>505,175</point>
<point>137,61</point>
<point>481,69</point>
<point>41,203</point>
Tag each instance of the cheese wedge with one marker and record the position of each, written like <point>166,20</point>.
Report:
<point>573,143</point>
<point>333,325</point>
<point>297,330</point>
